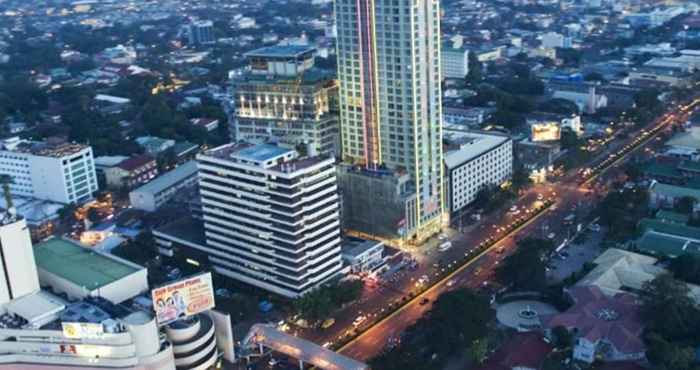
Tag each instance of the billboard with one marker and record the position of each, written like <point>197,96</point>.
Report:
<point>79,330</point>
<point>183,298</point>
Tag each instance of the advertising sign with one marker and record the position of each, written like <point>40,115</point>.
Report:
<point>183,298</point>
<point>79,330</point>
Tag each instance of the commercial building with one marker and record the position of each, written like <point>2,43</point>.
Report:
<point>52,170</point>
<point>18,277</point>
<point>455,61</point>
<point>271,218</point>
<point>583,94</point>
<point>364,256</point>
<point>474,161</point>
<point>201,32</point>
<point>80,272</point>
<point>390,98</point>
<point>92,315</point>
<point>666,196</point>
<point>154,194</point>
<point>284,99</point>
<point>131,172</point>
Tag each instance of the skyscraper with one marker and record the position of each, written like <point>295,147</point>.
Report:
<point>389,72</point>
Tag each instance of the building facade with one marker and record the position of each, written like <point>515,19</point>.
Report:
<point>474,161</point>
<point>51,170</point>
<point>271,218</point>
<point>156,193</point>
<point>201,32</point>
<point>283,99</point>
<point>454,62</point>
<point>390,97</point>
<point>18,270</point>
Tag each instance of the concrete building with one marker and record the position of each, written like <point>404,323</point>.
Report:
<point>553,40</point>
<point>283,99</point>
<point>81,272</point>
<point>474,161</point>
<point>271,218</point>
<point>454,62</point>
<point>52,170</point>
<point>201,32</point>
<point>153,195</point>
<point>390,97</point>
<point>18,268</point>
<point>364,256</point>
<point>583,94</point>
<point>131,172</point>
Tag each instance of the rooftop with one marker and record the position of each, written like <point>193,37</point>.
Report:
<point>261,153</point>
<point>281,51</point>
<point>674,191</point>
<point>619,271</point>
<point>80,265</point>
<point>465,146</point>
<point>356,246</point>
<point>187,229</point>
<point>52,147</point>
<point>666,245</point>
<point>689,139</point>
<point>169,178</point>
<point>668,228</point>
<point>136,162</point>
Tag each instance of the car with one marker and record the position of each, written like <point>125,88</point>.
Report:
<point>540,197</point>
<point>594,227</point>
<point>359,320</point>
<point>273,362</point>
<point>551,236</point>
<point>450,283</point>
<point>442,236</point>
<point>500,250</point>
<point>424,301</point>
<point>328,323</point>
<point>513,209</point>
<point>445,246</point>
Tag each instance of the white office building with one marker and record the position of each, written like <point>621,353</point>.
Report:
<point>271,218</point>
<point>153,195</point>
<point>57,171</point>
<point>473,161</point>
<point>201,32</point>
<point>18,276</point>
<point>454,62</point>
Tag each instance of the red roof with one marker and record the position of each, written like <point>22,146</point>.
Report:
<point>522,349</point>
<point>136,162</point>
<point>597,316</point>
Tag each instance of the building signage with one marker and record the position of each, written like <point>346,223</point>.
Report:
<point>183,298</point>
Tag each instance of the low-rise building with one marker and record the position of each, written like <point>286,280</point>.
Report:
<point>454,61</point>
<point>666,196</point>
<point>153,195</point>
<point>209,124</point>
<point>154,145</point>
<point>473,161</point>
<point>605,327</point>
<point>363,256</point>
<point>131,172</point>
<point>583,94</point>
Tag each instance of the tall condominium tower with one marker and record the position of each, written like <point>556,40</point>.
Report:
<point>389,73</point>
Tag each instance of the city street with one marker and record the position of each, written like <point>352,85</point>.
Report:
<point>477,272</point>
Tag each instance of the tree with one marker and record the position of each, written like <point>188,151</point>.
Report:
<point>685,205</point>
<point>667,355</point>
<point>474,76</point>
<point>562,337</point>
<point>521,179</point>
<point>526,269</point>
<point>559,106</point>
<point>667,308</point>
<point>686,267</point>
<point>478,350</point>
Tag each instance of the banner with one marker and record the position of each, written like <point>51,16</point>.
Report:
<point>183,298</point>
<point>79,330</point>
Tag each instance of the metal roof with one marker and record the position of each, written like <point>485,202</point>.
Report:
<point>301,349</point>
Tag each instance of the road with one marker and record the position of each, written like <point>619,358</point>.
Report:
<point>568,197</point>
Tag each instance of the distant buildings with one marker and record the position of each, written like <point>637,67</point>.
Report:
<point>390,104</point>
<point>454,61</point>
<point>201,32</point>
<point>52,170</point>
<point>155,145</point>
<point>160,190</point>
<point>271,218</point>
<point>119,54</point>
<point>474,161</point>
<point>553,40</point>
<point>583,94</point>
<point>283,99</point>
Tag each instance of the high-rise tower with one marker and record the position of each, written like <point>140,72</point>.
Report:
<point>389,72</point>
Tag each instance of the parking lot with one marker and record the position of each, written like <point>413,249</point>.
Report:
<point>572,258</point>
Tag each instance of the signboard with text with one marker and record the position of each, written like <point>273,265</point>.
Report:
<point>183,298</point>
<point>79,330</point>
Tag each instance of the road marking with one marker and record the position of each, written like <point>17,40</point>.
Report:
<point>449,276</point>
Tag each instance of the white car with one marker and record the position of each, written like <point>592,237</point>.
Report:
<point>450,283</point>
<point>445,246</point>
<point>551,236</point>
<point>359,320</point>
